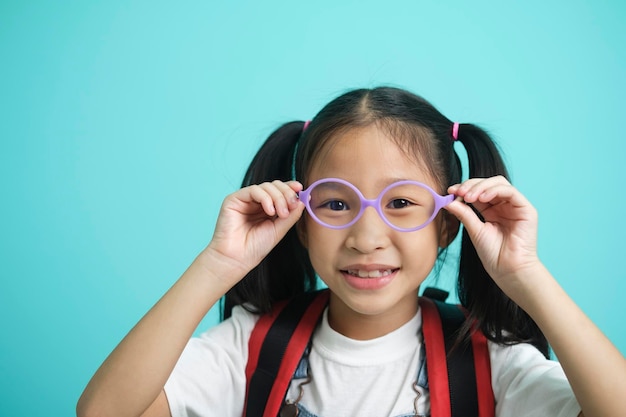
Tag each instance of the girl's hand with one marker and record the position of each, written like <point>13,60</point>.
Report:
<point>506,244</point>
<point>506,241</point>
<point>252,221</point>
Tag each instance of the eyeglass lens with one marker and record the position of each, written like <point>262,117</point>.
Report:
<point>405,205</point>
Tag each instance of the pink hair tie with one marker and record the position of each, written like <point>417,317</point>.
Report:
<point>455,131</point>
<point>306,124</point>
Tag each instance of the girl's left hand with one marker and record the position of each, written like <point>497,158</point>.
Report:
<point>506,241</point>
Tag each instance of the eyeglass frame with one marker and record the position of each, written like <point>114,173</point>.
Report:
<point>440,202</point>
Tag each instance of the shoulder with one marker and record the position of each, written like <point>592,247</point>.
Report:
<point>519,372</point>
<point>225,343</point>
<point>234,330</point>
<point>216,359</point>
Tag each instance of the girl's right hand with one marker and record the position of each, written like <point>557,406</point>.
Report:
<point>252,221</point>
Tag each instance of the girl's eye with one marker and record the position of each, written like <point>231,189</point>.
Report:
<point>399,203</point>
<point>336,205</point>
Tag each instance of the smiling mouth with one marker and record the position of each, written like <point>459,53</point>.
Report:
<point>361,273</point>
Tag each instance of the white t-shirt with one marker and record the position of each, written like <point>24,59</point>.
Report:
<point>353,377</point>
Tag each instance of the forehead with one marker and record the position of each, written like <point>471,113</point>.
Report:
<point>368,155</point>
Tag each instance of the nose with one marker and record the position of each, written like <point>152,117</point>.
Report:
<point>369,234</point>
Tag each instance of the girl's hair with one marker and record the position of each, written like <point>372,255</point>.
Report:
<point>419,129</point>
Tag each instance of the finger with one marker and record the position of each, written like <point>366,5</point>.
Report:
<point>491,194</point>
<point>289,190</point>
<point>464,187</point>
<point>284,224</point>
<point>491,190</point>
<point>295,186</point>
<point>278,199</point>
<point>284,199</point>
<point>499,194</point>
<point>465,215</point>
<point>472,188</point>
<point>260,195</point>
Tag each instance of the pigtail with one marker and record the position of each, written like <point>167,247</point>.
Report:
<point>286,271</point>
<point>500,319</point>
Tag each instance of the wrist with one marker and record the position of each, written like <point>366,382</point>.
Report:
<point>221,269</point>
<point>528,285</point>
<point>526,273</point>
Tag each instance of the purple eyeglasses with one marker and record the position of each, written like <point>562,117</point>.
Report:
<point>405,206</point>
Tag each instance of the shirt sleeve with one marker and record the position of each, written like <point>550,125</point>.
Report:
<point>527,384</point>
<point>209,378</point>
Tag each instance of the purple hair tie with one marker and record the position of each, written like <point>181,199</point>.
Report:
<point>306,125</point>
<point>455,131</point>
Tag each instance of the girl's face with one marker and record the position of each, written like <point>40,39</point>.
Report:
<point>372,270</point>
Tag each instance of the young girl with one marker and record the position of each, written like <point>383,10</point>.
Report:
<point>388,145</point>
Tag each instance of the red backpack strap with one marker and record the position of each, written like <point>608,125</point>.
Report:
<point>482,366</point>
<point>275,347</point>
<point>459,377</point>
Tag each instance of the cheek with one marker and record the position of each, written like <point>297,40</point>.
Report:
<point>425,242</point>
<point>324,246</point>
<point>309,231</point>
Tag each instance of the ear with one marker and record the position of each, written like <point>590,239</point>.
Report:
<point>448,230</point>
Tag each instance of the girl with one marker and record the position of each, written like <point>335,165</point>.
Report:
<point>383,144</point>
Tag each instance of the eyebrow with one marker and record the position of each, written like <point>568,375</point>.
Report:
<point>389,181</point>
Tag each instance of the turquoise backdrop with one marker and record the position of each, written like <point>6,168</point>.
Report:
<point>123,124</point>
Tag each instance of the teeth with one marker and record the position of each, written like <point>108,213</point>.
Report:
<point>369,274</point>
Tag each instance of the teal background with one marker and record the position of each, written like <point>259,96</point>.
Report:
<point>123,124</point>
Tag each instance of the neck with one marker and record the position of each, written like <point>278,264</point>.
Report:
<point>365,326</point>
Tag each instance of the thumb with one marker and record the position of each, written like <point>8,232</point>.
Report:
<point>283,225</point>
<point>466,215</point>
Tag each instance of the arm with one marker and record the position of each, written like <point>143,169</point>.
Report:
<point>130,381</point>
<point>506,244</point>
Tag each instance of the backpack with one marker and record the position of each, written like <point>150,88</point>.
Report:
<point>459,376</point>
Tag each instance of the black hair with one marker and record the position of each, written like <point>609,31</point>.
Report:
<point>419,129</point>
